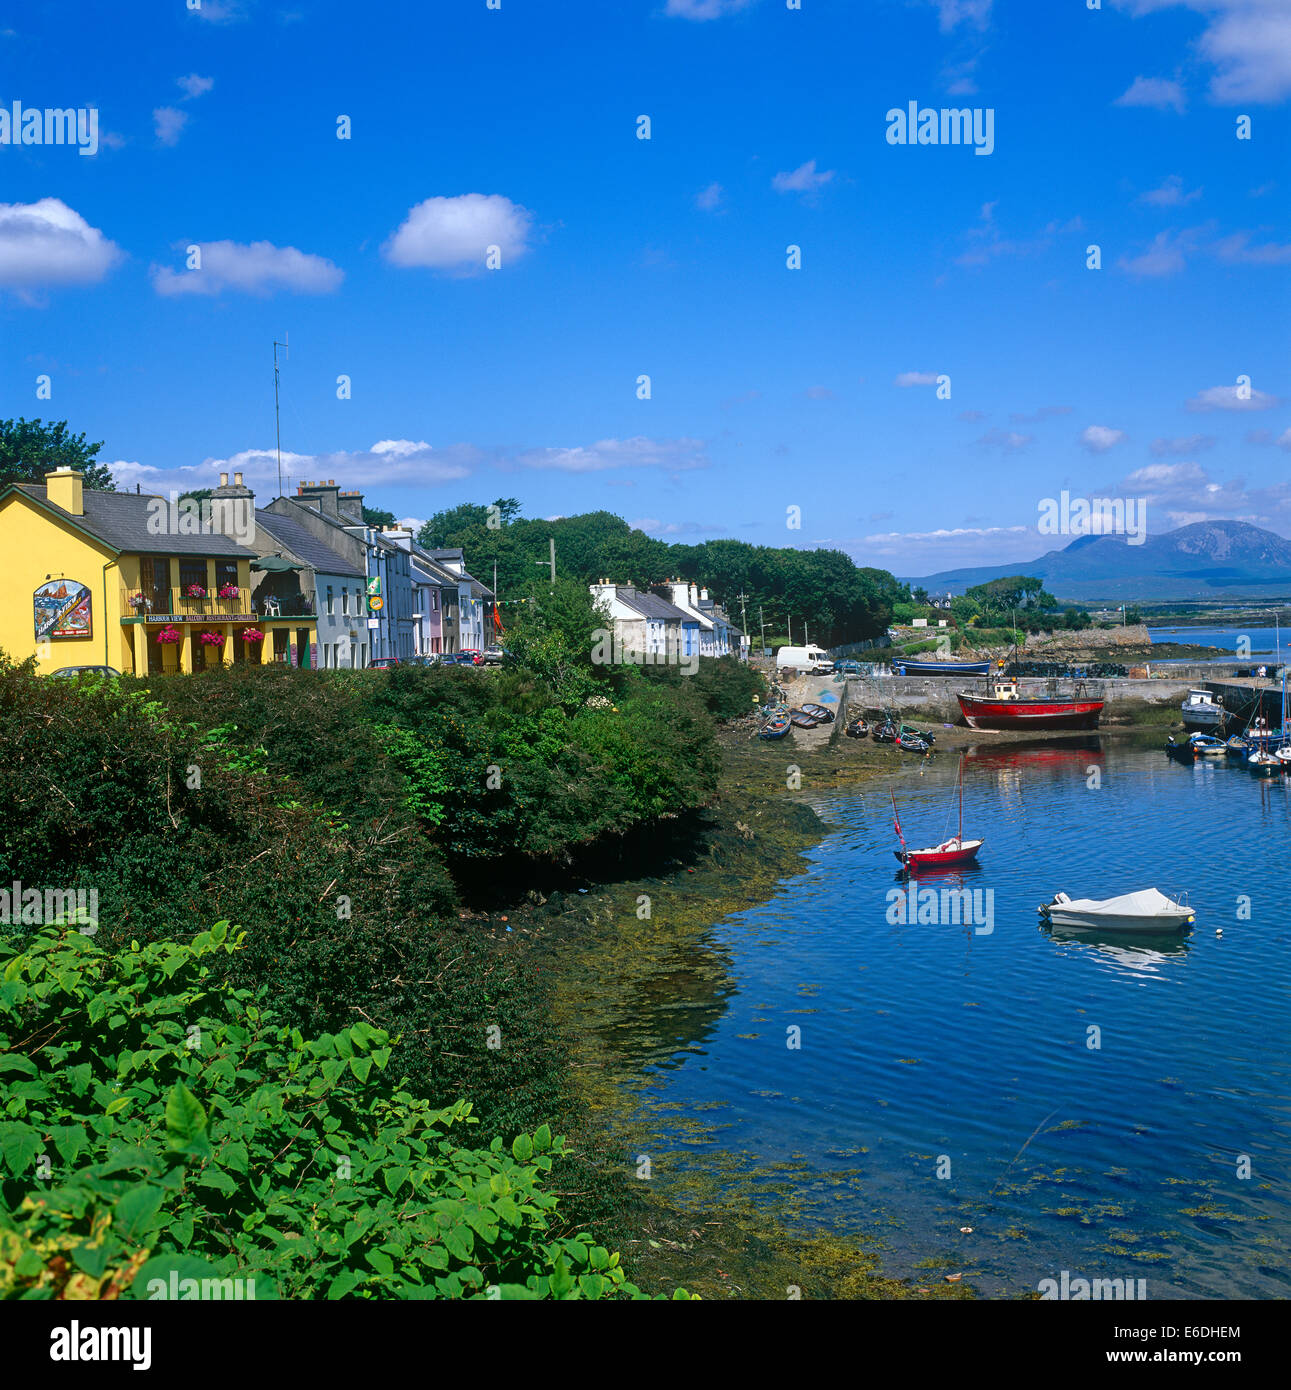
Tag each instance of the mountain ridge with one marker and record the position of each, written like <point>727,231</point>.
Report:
<point>1205,559</point>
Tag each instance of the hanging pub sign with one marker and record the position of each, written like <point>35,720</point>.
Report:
<point>62,609</point>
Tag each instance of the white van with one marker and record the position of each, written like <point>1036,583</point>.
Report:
<point>803,659</point>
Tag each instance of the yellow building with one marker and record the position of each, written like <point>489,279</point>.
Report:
<point>133,582</point>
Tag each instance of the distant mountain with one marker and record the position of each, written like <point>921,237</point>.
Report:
<point>1209,559</point>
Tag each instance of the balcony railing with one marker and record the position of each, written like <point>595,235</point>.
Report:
<point>156,604</point>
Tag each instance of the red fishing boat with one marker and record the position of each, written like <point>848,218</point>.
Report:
<point>947,855</point>
<point>1001,707</point>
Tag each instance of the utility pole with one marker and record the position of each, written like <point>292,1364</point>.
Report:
<point>552,561</point>
<point>744,626</point>
<point>762,627</point>
<point>277,419</point>
<point>789,620</point>
<point>806,641</point>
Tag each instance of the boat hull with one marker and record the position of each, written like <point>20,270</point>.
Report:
<point>940,858</point>
<point>1110,922</point>
<point>941,668</point>
<point>983,713</point>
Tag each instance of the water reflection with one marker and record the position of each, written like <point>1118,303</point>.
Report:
<point>1142,956</point>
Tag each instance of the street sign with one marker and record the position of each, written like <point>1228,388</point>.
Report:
<point>375,603</point>
<point>374,586</point>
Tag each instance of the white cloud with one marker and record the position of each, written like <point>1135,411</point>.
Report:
<point>455,233</point>
<point>1250,44</point>
<point>652,526</point>
<point>1008,441</point>
<point>1170,194</point>
<point>1165,256</point>
<point>1228,398</point>
<point>402,462</point>
<point>168,122</point>
<point>915,379</point>
<point>1189,444</point>
<point>1284,439</point>
<point>258,268</point>
<point>803,179</point>
<point>704,9</point>
<point>710,199</point>
<point>1247,41</point>
<point>46,243</point>
<point>1098,439</point>
<point>674,455</point>
<point>952,13</point>
<point>194,86</point>
<point>220,11</point>
<point>1156,92</point>
<point>1237,250</point>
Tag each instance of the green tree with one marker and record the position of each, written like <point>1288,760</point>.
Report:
<point>31,448</point>
<point>378,517</point>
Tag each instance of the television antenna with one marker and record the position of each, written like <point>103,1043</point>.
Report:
<point>277,418</point>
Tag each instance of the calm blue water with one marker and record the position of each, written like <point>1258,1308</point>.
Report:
<point>927,1040</point>
<point>1261,641</point>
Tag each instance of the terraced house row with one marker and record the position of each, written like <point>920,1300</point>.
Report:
<point>145,584</point>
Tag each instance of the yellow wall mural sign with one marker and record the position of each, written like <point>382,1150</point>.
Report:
<point>62,609</point>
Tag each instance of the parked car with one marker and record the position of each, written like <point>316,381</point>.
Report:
<point>383,663</point>
<point>86,670</point>
<point>470,658</point>
<point>493,656</point>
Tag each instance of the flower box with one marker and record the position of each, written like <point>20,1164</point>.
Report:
<point>229,591</point>
<point>194,591</point>
<point>252,634</point>
<point>212,639</point>
<point>169,635</point>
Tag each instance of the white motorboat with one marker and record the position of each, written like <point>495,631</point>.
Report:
<point>1147,911</point>
<point>1203,711</point>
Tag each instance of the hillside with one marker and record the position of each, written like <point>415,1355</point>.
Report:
<point>1208,559</point>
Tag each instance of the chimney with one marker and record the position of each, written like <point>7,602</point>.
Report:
<point>237,480</point>
<point>224,480</point>
<point>65,488</point>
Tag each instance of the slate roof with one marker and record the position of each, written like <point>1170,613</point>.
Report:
<point>120,521</point>
<point>652,606</point>
<point>305,545</point>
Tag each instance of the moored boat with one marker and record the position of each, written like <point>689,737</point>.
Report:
<point>1002,707</point>
<point>947,855</point>
<point>801,719</point>
<point>1238,747</point>
<point>858,727</point>
<point>776,726</point>
<point>1146,910</point>
<point>940,668</point>
<point>1181,752</point>
<point>822,714</point>
<point>1203,711</point>
<point>1263,763</point>
<point>1208,746</point>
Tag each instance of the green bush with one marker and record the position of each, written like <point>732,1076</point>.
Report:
<point>155,1121</point>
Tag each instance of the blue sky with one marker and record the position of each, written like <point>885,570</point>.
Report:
<point>771,388</point>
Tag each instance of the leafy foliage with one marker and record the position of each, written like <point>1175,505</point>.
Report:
<point>156,1121</point>
<point>31,448</point>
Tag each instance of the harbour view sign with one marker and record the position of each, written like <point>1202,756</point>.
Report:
<point>62,608</point>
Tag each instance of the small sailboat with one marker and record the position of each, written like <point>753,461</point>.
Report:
<point>950,853</point>
<point>1262,763</point>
